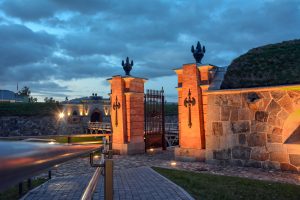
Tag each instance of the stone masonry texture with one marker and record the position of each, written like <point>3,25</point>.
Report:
<point>253,127</point>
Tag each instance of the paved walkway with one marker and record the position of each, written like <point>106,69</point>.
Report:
<point>72,177</point>
<point>142,183</point>
<point>69,187</point>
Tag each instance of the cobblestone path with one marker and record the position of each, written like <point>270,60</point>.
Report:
<point>142,183</point>
<point>79,172</point>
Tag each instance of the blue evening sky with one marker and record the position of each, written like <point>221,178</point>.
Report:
<point>70,47</point>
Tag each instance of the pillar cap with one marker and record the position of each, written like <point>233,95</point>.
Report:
<point>127,77</point>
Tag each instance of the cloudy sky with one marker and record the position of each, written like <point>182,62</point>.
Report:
<point>70,47</point>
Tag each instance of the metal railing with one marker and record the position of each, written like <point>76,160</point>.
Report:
<point>99,126</point>
<point>22,160</point>
<point>69,137</point>
<point>105,168</point>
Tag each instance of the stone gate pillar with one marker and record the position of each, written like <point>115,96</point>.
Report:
<point>193,82</point>
<point>127,114</point>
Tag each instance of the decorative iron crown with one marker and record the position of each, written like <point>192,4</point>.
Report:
<point>198,53</point>
<point>127,66</point>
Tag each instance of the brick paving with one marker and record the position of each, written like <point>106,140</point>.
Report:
<point>142,183</point>
<point>78,172</point>
<point>69,187</point>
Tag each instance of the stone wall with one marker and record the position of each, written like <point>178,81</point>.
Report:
<point>40,125</point>
<point>254,127</point>
<point>25,125</point>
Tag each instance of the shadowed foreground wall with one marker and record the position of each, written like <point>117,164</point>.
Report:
<point>256,127</point>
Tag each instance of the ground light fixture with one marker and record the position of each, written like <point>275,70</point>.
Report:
<point>61,115</point>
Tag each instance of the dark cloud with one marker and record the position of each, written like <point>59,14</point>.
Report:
<point>89,38</point>
<point>19,45</point>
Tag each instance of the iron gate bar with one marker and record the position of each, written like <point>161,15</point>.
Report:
<point>154,119</point>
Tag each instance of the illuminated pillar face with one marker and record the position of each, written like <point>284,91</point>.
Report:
<point>191,111</point>
<point>127,114</point>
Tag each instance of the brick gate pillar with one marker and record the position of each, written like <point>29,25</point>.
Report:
<point>193,82</point>
<point>127,114</point>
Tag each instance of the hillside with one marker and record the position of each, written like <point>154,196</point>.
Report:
<point>274,64</point>
<point>29,109</point>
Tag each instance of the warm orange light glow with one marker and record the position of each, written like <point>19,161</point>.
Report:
<point>61,115</point>
<point>105,110</point>
<point>151,150</point>
<point>173,163</point>
<point>69,113</point>
<point>80,113</point>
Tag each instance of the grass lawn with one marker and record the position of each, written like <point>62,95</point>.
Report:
<point>78,139</point>
<point>13,192</point>
<point>207,186</point>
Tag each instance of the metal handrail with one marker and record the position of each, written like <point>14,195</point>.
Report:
<point>90,189</point>
<point>51,136</point>
<point>21,160</point>
<point>106,165</point>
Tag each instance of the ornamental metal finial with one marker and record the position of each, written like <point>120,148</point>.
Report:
<point>127,66</point>
<point>198,53</point>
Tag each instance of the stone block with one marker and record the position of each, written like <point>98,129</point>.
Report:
<point>286,103</point>
<point>293,94</point>
<point>234,100</point>
<point>265,94</point>
<point>242,139</point>
<point>272,120</point>
<point>277,131</point>
<point>253,163</point>
<point>273,107</point>
<point>221,100</point>
<point>261,127</point>
<point>295,159</point>
<point>237,162</point>
<point>225,113</point>
<point>240,127</point>
<point>240,152</point>
<point>243,114</point>
<point>277,94</point>
<point>129,148</point>
<point>224,154</point>
<point>259,153</point>
<point>234,114</point>
<point>288,167</point>
<point>264,103</point>
<point>283,114</point>
<point>271,165</point>
<point>217,128</point>
<point>256,139</point>
<point>279,157</point>
<point>261,116</point>
<point>273,138</point>
<point>189,154</point>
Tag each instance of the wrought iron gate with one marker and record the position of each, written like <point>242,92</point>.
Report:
<point>154,119</point>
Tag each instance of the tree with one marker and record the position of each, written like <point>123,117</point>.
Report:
<point>32,100</point>
<point>49,100</point>
<point>25,92</point>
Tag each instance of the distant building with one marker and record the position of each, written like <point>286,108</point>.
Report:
<point>11,97</point>
<point>86,114</point>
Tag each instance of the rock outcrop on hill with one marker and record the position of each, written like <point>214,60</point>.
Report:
<point>274,64</point>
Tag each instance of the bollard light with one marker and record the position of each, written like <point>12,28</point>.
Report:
<point>61,115</point>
